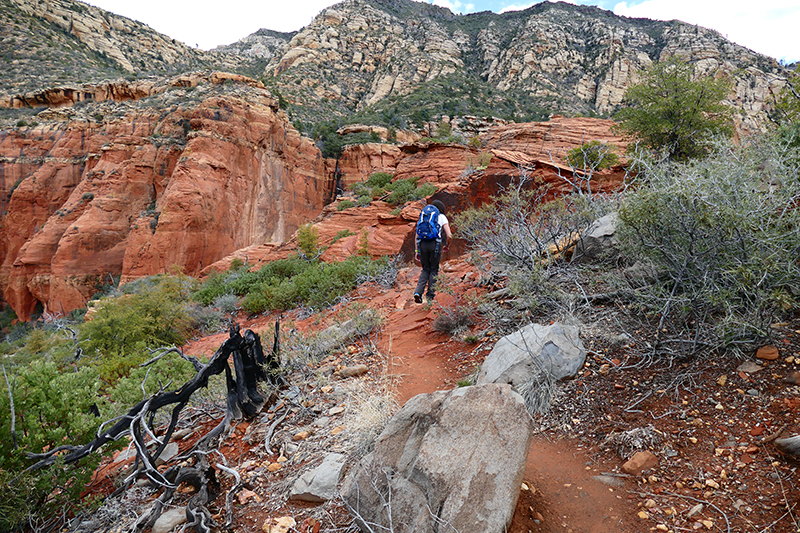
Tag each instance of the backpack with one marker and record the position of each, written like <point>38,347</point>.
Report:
<point>428,224</point>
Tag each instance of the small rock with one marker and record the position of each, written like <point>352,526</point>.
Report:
<point>649,504</point>
<point>640,462</point>
<point>723,379</point>
<point>793,378</point>
<point>302,435</point>
<point>752,392</point>
<point>283,524</point>
<point>609,480</point>
<point>338,429</point>
<point>170,520</point>
<point>694,510</point>
<point>749,367</point>
<point>662,527</point>
<point>246,495</point>
<point>274,467</point>
<point>353,371</point>
<point>183,433</point>
<point>169,452</point>
<point>322,421</point>
<point>128,453</point>
<point>333,411</point>
<point>767,353</point>
<point>708,523</point>
<point>643,515</point>
<point>711,483</point>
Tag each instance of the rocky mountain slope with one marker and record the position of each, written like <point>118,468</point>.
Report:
<point>553,56</point>
<point>47,44</point>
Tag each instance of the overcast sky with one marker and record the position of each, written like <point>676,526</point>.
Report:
<point>766,26</point>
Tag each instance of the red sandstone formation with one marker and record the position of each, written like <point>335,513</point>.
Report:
<point>129,198</point>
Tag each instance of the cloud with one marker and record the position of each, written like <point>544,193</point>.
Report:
<point>455,6</point>
<point>767,27</point>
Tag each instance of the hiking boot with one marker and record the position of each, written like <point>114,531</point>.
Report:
<point>417,298</point>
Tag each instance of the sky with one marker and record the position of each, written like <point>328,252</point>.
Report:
<point>764,26</point>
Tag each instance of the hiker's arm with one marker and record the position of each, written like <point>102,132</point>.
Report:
<point>448,237</point>
<point>416,249</point>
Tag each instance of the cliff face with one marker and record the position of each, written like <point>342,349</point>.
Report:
<point>154,190</point>
<point>563,57</point>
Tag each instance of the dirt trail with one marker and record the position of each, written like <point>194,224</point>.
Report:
<point>564,495</point>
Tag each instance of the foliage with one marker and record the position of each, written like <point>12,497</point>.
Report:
<point>344,204</point>
<point>399,192</point>
<point>331,144</point>
<point>341,235</point>
<point>787,104</point>
<point>592,155</point>
<point>674,115</point>
<point>308,240</point>
<point>52,408</point>
<point>286,283</point>
<point>143,382</point>
<point>722,234</point>
<point>152,313</point>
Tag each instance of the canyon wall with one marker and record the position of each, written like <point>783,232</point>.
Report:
<point>156,190</point>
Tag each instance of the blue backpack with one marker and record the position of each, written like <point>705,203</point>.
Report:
<point>428,224</point>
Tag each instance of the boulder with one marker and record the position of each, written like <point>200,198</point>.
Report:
<point>599,240</point>
<point>447,461</point>
<point>519,357</point>
<point>319,484</point>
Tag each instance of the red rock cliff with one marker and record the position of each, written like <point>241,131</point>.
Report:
<point>147,193</point>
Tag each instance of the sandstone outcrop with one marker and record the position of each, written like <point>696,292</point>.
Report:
<point>148,193</point>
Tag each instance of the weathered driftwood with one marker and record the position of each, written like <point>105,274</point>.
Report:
<point>250,367</point>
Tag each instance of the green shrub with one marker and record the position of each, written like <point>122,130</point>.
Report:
<point>292,282</point>
<point>308,240</point>
<point>403,191</point>
<point>722,233</point>
<point>341,235</point>
<point>344,204</point>
<point>379,179</point>
<point>52,408</point>
<point>593,155</point>
<point>152,314</point>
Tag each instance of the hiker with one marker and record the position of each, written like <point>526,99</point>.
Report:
<point>431,227</point>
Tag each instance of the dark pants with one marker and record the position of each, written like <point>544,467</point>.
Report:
<point>430,252</point>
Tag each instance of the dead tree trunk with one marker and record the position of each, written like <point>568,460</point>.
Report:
<point>250,368</point>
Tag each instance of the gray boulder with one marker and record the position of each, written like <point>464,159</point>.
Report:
<point>599,240</point>
<point>531,351</point>
<point>447,461</point>
<point>319,484</point>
